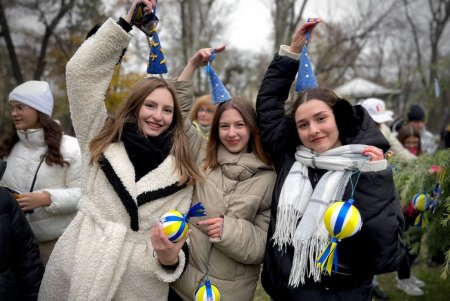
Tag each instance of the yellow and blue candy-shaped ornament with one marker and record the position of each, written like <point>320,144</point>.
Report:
<point>342,220</point>
<point>175,224</point>
<point>206,292</point>
<point>421,202</point>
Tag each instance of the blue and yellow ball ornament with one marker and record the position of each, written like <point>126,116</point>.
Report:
<point>422,203</point>
<point>342,220</point>
<point>175,224</point>
<point>207,292</point>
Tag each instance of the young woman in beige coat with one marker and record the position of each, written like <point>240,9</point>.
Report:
<point>229,242</point>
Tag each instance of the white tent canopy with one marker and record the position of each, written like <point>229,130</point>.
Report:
<point>361,88</point>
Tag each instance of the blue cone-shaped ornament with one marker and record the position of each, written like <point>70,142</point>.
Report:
<point>219,93</point>
<point>156,60</point>
<point>305,77</point>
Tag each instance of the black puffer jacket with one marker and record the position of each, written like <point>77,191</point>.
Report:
<point>377,248</point>
<point>21,267</point>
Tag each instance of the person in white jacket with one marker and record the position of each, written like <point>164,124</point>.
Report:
<point>44,165</point>
<point>377,110</point>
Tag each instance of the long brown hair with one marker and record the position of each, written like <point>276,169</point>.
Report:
<point>249,116</point>
<point>128,112</point>
<point>52,136</point>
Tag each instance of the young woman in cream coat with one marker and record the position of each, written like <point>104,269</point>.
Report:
<point>136,165</point>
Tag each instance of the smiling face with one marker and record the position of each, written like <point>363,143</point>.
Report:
<point>23,116</point>
<point>205,115</point>
<point>412,144</point>
<point>316,126</point>
<point>233,132</point>
<point>156,113</point>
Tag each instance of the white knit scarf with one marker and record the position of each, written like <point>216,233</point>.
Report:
<point>299,202</point>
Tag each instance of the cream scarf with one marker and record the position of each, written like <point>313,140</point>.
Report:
<point>299,202</point>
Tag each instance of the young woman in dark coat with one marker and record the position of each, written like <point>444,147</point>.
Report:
<point>323,126</point>
<point>21,268</point>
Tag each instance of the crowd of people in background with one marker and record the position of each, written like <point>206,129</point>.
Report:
<point>85,209</point>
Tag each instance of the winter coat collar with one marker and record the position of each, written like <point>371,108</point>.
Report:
<point>32,138</point>
<point>240,166</point>
<point>160,182</point>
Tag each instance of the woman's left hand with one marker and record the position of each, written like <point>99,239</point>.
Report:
<point>374,153</point>
<point>32,200</point>
<point>215,226</point>
<point>199,59</point>
<point>166,250</point>
<point>299,38</point>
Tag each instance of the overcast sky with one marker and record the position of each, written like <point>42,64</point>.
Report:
<point>250,25</point>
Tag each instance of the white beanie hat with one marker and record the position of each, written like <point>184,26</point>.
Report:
<point>35,94</point>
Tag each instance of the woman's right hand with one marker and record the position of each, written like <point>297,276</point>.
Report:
<point>166,250</point>
<point>299,38</point>
<point>149,4</point>
<point>199,59</point>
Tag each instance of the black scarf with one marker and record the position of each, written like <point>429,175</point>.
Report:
<point>146,153</point>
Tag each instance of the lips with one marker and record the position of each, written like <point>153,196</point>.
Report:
<point>232,142</point>
<point>153,125</point>
<point>317,140</point>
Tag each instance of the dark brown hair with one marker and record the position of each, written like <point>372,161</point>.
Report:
<point>52,135</point>
<point>249,116</point>
<point>407,131</point>
<point>342,110</point>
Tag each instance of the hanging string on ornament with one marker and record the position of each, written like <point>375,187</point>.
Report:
<point>342,220</point>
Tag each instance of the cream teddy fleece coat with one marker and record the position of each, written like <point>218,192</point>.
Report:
<point>101,255</point>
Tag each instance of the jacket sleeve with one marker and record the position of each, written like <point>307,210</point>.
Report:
<point>278,131</point>
<point>65,200</point>
<point>378,247</point>
<point>185,93</point>
<point>169,275</point>
<point>27,265</point>
<point>88,74</point>
<point>243,240</point>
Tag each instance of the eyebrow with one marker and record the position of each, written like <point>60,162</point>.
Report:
<point>318,113</point>
<point>154,101</point>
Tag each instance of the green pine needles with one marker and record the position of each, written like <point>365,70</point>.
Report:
<point>421,176</point>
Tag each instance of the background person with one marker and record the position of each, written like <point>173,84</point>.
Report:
<point>377,110</point>
<point>410,139</point>
<point>416,119</point>
<point>137,166</point>
<point>202,114</point>
<point>21,267</point>
<point>406,281</point>
<point>44,165</point>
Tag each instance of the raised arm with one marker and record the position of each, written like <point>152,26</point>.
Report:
<point>277,130</point>
<point>89,72</point>
<point>185,91</point>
